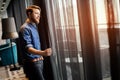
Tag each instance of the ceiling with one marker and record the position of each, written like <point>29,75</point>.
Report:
<point>3,5</point>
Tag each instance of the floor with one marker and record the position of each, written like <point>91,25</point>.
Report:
<point>6,74</point>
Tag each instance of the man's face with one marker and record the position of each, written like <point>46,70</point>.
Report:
<point>35,16</point>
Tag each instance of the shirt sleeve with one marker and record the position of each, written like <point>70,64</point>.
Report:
<point>27,37</point>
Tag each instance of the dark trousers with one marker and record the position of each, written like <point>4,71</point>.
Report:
<point>34,70</point>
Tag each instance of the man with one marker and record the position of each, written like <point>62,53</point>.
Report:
<point>30,45</point>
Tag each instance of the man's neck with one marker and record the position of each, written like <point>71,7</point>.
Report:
<point>29,21</point>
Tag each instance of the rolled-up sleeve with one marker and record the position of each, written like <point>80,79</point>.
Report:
<point>27,38</point>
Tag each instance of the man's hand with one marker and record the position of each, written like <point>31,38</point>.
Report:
<point>48,52</point>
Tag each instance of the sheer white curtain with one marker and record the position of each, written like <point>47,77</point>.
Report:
<point>65,37</point>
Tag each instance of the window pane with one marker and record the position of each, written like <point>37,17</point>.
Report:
<point>103,38</point>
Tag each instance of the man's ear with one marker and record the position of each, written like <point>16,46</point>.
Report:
<point>29,14</point>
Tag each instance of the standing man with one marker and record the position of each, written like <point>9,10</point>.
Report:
<point>30,45</point>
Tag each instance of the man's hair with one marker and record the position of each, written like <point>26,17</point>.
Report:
<point>30,9</point>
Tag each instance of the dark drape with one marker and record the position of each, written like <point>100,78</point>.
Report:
<point>16,9</point>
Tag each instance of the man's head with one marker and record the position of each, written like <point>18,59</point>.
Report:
<point>33,13</point>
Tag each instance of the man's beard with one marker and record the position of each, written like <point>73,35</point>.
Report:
<point>35,21</point>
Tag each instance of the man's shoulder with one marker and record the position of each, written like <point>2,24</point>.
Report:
<point>24,26</point>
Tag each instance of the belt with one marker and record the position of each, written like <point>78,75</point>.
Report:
<point>37,59</point>
<point>34,60</point>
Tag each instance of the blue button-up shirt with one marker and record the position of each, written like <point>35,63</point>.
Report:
<point>29,37</point>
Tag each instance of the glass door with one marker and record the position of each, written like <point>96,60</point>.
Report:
<point>108,20</point>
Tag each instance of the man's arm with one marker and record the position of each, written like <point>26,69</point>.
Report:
<point>46,52</point>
